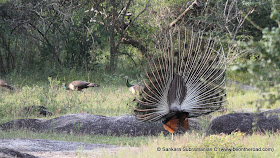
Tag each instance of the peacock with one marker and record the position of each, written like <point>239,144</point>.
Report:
<point>134,88</point>
<point>185,79</point>
<point>5,84</point>
<point>79,85</point>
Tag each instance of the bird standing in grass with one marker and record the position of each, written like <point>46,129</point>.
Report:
<point>133,88</point>
<point>5,84</point>
<point>79,85</point>
<point>185,79</point>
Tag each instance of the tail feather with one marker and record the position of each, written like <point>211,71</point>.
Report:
<point>93,85</point>
<point>5,84</point>
<point>9,87</point>
<point>187,75</point>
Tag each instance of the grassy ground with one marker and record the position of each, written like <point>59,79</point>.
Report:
<point>104,100</point>
<point>108,100</point>
<point>217,146</point>
<point>97,139</point>
<point>192,144</point>
<point>116,100</point>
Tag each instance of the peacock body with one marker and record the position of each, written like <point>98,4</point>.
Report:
<point>79,85</point>
<point>185,79</point>
<point>133,88</point>
<point>5,84</point>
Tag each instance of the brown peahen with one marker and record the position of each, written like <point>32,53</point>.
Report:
<point>185,79</point>
<point>5,84</point>
<point>79,85</point>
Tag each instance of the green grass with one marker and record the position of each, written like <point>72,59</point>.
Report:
<point>104,100</point>
<point>96,139</point>
<point>108,100</point>
<point>246,99</point>
<point>218,142</point>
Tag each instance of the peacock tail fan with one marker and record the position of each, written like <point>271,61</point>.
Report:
<point>186,75</point>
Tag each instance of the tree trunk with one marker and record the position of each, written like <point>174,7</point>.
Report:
<point>113,51</point>
<point>9,57</point>
<point>2,66</point>
<point>111,30</point>
<point>113,58</point>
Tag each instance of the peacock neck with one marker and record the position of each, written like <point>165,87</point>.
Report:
<point>65,87</point>
<point>128,84</point>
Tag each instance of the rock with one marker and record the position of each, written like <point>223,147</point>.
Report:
<point>95,125</point>
<point>26,148</point>
<point>245,122</point>
<point>10,153</point>
<point>269,120</point>
<point>231,122</point>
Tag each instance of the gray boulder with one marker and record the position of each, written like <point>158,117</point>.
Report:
<point>26,148</point>
<point>95,125</point>
<point>269,121</point>
<point>11,153</point>
<point>245,122</point>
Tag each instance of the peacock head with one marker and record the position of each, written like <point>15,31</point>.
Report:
<point>96,85</point>
<point>127,82</point>
<point>65,86</point>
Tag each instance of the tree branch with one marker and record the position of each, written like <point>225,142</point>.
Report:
<point>181,15</point>
<point>136,44</point>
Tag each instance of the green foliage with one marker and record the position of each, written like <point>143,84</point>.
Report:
<point>264,63</point>
<point>71,36</point>
<point>260,17</point>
